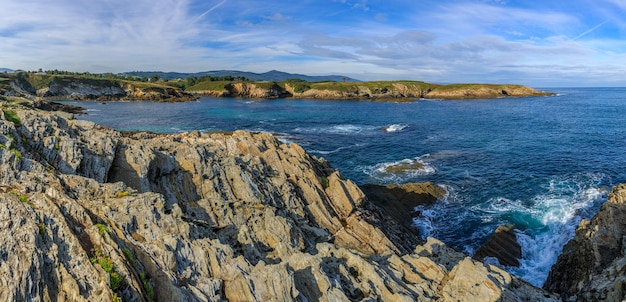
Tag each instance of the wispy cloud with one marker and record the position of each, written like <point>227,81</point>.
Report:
<point>447,41</point>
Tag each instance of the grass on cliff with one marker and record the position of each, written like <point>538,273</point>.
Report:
<point>209,86</point>
<point>115,279</point>
<point>373,85</point>
<point>453,87</point>
<point>12,117</point>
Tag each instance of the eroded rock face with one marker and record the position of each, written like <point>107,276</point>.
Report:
<point>592,266</point>
<point>89,215</point>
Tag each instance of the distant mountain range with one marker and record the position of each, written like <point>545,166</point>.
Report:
<point>273,75</point>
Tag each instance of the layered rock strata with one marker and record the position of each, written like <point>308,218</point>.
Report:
<point>89,214</point>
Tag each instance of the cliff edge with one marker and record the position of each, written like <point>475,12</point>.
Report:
<point>91,214</point>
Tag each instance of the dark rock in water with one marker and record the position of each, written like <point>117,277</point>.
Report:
<point>502,245</point>
<point>53,106</point>
<point>399,201</point>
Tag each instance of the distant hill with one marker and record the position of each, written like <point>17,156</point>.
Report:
<point>273,75</point>
<point>6,70</point>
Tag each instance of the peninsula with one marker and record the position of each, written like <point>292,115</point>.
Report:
<point>109,87</point>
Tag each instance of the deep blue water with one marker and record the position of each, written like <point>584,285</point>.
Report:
<point>540,163</point>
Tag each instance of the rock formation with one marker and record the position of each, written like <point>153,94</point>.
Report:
<point>592,266</point>
<point>400,90</point>
<point>90,214</point>
<point>502,245</point>
<point>84,88</point>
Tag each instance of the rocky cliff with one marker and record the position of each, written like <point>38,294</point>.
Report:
<point>592,266</point>
<point>383,90</point>
<point>91,214</point>
<point>85,88</point>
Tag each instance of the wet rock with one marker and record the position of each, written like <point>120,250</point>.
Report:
<point>502,245</point>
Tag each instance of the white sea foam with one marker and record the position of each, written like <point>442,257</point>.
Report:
<point>557,212</point>
<point>337,129</point>
<point>386,172</point>
<point>395,127</point>
<point>546,221</point>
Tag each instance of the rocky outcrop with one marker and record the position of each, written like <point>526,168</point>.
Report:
<point>380,91</point>
<point>479,91</point>
<point>85,88</point>
<point>89,214</point>
<point>592,266</point>
<point>259,90</point>
<point>502,245</point>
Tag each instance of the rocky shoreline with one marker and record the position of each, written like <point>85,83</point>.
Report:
<point>53,87</point>
<point>90,214</point>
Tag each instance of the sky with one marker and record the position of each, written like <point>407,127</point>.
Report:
<point>538,43</point>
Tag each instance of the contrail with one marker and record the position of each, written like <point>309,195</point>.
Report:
<point>209,10</point>
<point>589,30</point>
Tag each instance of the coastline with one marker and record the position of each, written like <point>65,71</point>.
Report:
<point>105,173</point>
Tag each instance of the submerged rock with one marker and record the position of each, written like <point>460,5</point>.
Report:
<point>88,214</point>
<point>502,245</point>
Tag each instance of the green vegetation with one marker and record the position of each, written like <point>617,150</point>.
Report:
<point>147,286</point>
<point>115,280</point>
<point>22,197</point>
<point>298,85</point>
<point>102,229</point>
<point>144,280</point>
<point>209,85</point>
<point>12,117</point>
<point>325,183</point>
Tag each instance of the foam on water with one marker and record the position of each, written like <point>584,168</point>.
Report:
<point>544,223</point>
<point>395,127</point>
<point>407,168</point>
<point>337,129</point>
<point>559,211</point>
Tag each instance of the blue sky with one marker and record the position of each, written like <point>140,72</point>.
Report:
<point>539,43</point>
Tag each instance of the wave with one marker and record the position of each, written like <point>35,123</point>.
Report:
<point>544,222</point>
<point>335,150</point>
<point>400,171</point>
<point>337,129</point>
<point>395,127</point>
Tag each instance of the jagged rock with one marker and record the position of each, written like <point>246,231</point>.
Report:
<point>204,217</point>
<point>502,245</point>
<point>592,266</point>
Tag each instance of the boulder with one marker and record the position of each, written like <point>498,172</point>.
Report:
<point>502,245</point>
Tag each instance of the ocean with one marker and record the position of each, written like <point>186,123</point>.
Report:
<point>540,163</point>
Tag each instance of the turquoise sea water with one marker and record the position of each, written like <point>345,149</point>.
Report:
<point>540,163</point>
